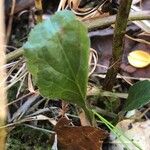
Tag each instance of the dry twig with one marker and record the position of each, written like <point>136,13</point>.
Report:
<point>9,26</point>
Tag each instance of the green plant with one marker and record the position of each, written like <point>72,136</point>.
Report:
<point>139,95</point>
<point>57,53</point>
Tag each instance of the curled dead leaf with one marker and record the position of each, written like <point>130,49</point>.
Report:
<point>139,58</point>
<point>78,138</point>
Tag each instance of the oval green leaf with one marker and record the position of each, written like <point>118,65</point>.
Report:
<point>139,95</point>
<point>57,53</point>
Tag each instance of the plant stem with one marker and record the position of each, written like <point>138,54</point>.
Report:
<point>96,91</point>
<point>118,40</point>
<point>89,116</point>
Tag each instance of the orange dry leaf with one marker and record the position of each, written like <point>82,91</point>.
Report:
<point>79,138</point>
<point>139,58</point>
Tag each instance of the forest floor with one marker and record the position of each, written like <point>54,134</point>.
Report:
<point>32,119</point>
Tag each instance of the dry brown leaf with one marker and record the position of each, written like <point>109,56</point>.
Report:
<point>78,138</point>
<point>139,58</point>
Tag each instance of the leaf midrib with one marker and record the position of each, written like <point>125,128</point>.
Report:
<point>66,59</point>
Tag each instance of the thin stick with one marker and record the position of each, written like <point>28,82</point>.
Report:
<point>106,21</point>
<point>138,40</point>
<point>2,79</point>
<point>9,26</point>
<point>118,39</point>
<point>15,54</point>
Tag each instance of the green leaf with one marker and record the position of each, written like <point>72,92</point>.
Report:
<point>139,95</point>
<point>57,53</point>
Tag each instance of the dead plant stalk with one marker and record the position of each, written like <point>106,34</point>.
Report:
<point>2,79</point>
